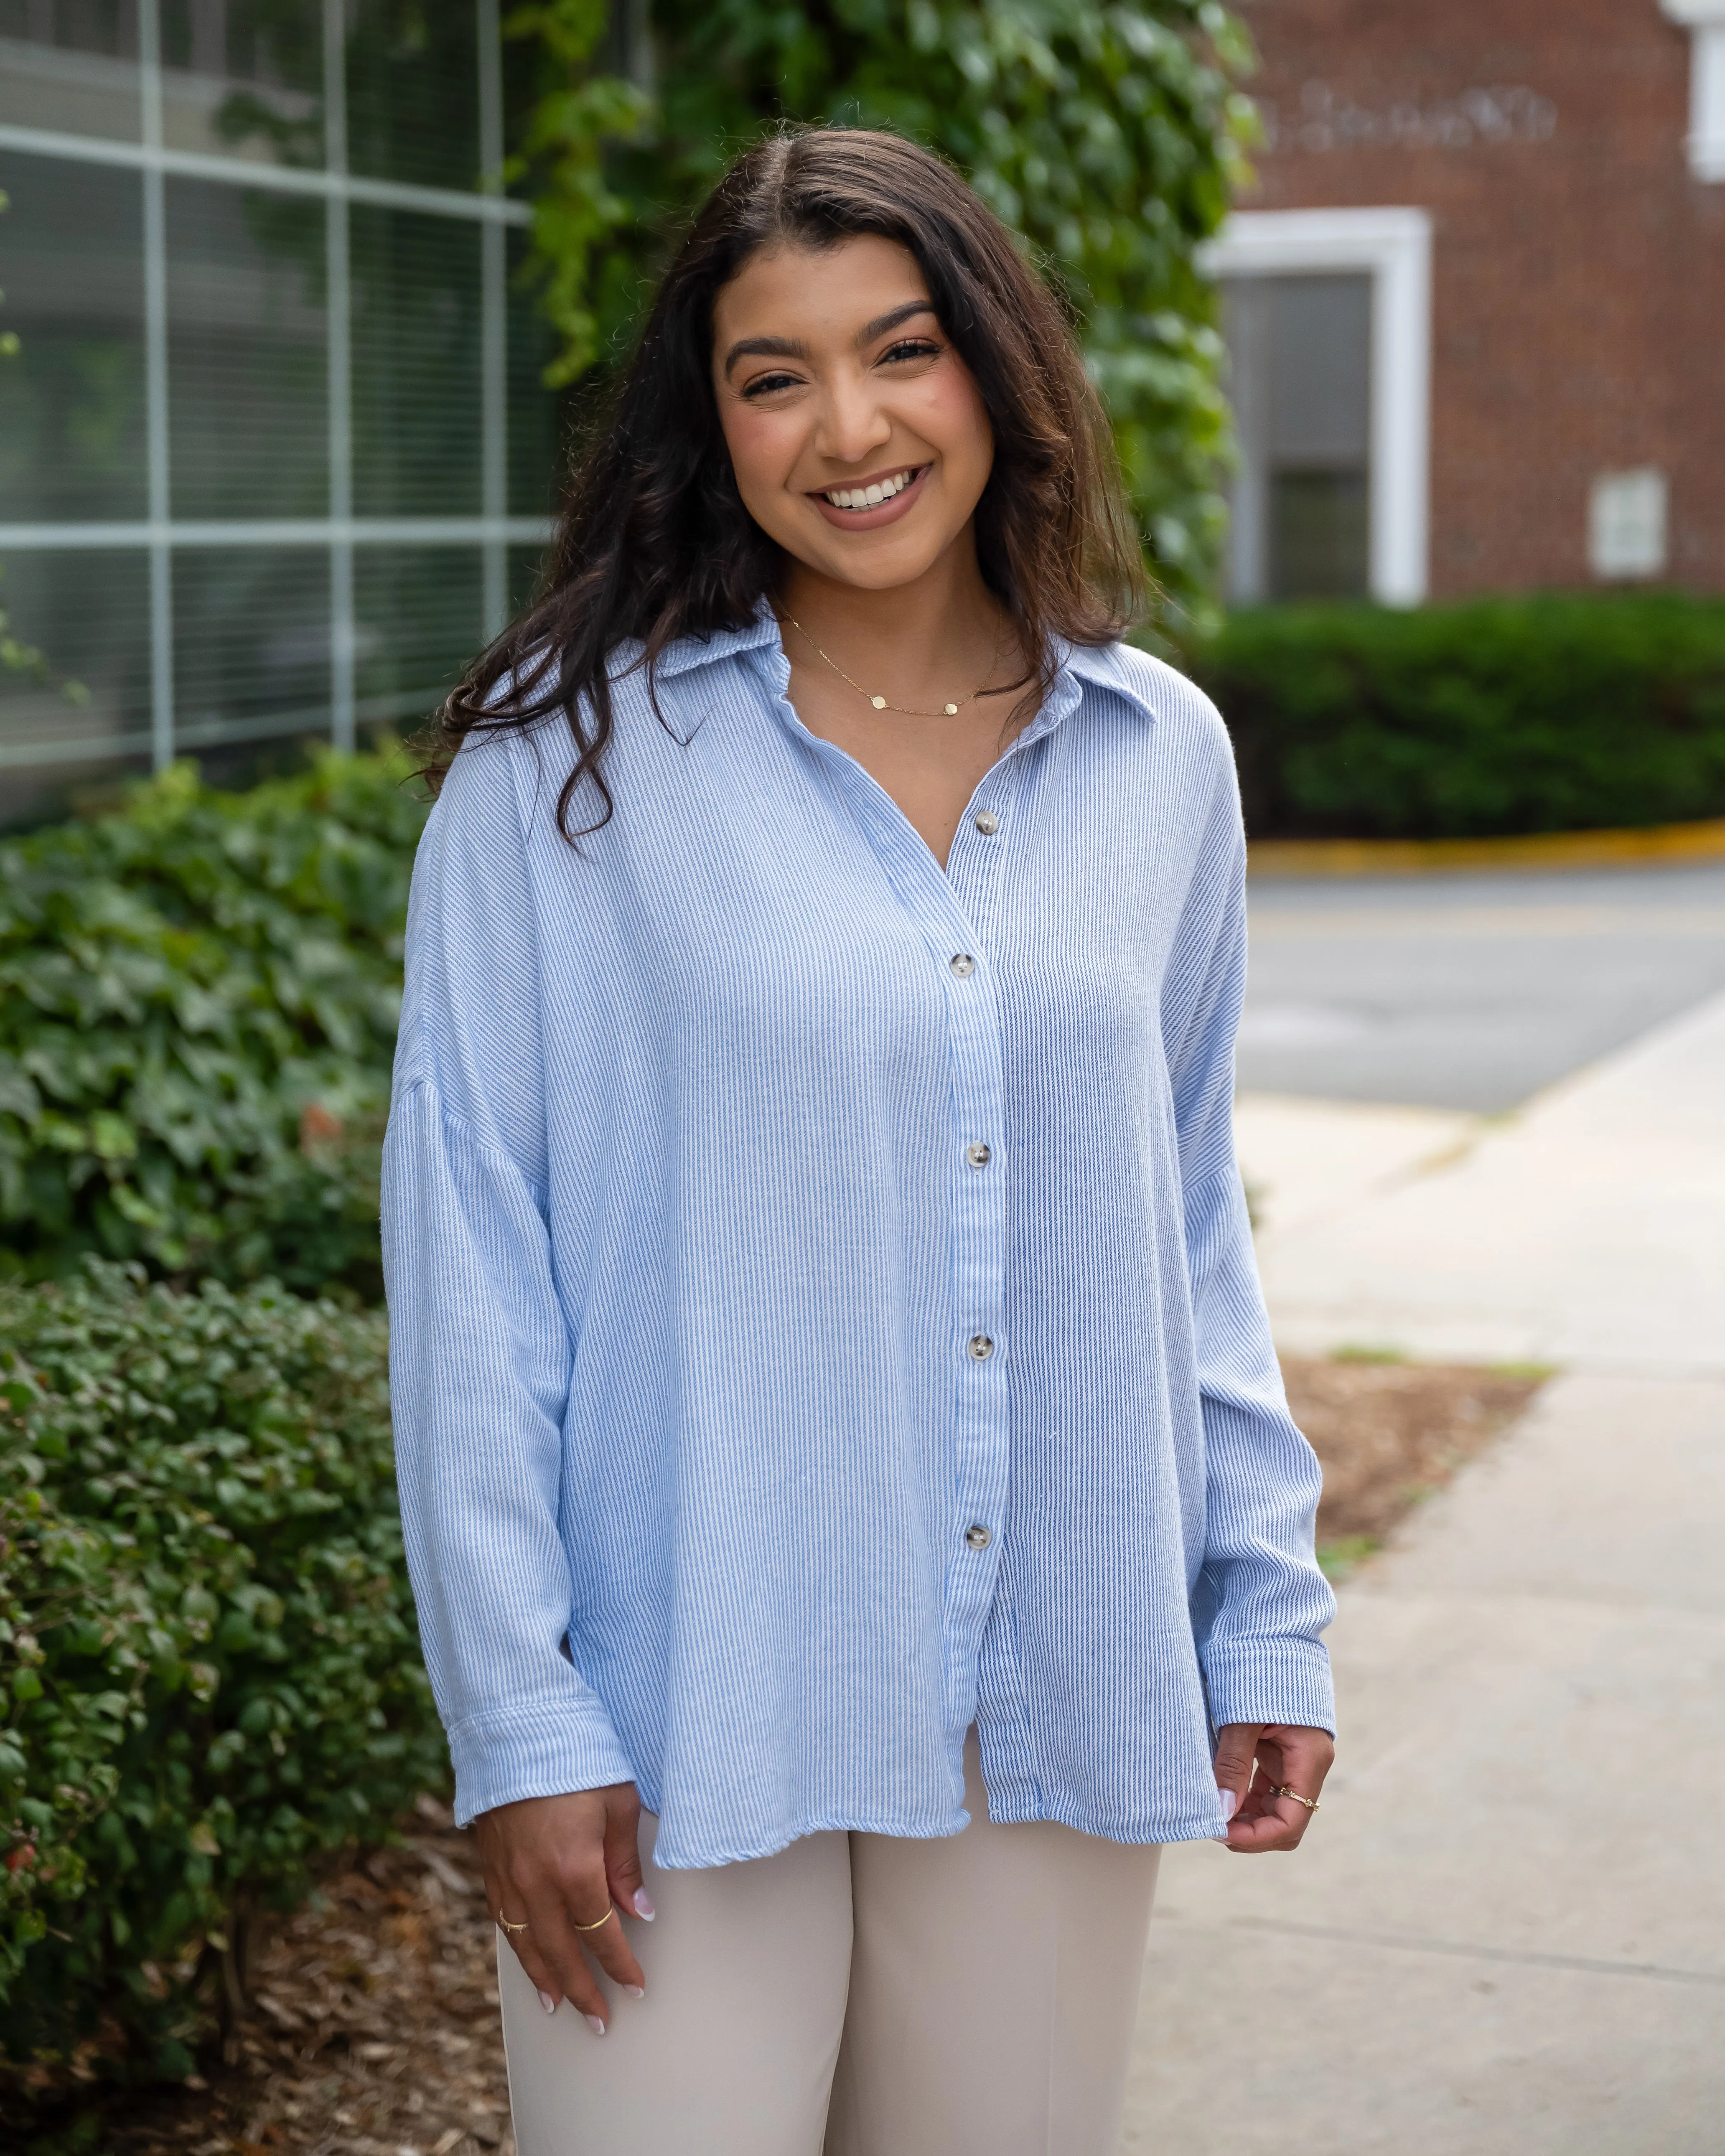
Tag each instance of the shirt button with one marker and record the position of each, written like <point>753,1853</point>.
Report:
<point>978,1154</point>
<point>977,1537</point>
<point>988,822</point>
<point>963,965</point>
<point>981,1348</point>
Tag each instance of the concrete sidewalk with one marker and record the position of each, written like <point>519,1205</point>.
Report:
<point>1507,1931</point>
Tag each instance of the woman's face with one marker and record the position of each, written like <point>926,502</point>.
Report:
<point>858,438</point>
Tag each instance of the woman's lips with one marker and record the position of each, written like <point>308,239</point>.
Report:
<point>871,520</point>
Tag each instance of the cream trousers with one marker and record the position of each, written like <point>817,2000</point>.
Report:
<point>857,1995</point>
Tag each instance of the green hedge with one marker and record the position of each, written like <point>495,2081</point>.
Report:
<point>199,999</point>
<point>208,1641</point>
<point>1545,714</point>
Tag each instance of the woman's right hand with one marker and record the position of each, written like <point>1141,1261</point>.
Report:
<point>558,1863</point>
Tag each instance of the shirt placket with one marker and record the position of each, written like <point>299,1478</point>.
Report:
<point>980,1351</point>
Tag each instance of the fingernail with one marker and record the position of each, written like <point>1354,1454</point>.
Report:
<point>547,2002</point>
<point>1231,1802</point>
<point>632,1991</point>
<point>594,2023</point>
<point>644,1905</point>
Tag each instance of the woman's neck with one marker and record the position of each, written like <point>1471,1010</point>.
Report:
<point>946,626</point>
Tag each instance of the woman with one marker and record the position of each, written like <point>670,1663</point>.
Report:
<point>848,1486</point>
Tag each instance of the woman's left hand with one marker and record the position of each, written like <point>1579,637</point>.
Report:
<point>1286,1758</point>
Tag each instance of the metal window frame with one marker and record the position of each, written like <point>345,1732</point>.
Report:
<point>161,534</point>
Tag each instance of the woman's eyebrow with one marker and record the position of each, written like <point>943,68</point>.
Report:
<point>882,323</point>
<point>772,348</point>
<point>764,348</point>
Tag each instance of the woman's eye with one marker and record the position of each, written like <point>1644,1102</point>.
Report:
<point>910,348</point>
<point>764,385</point>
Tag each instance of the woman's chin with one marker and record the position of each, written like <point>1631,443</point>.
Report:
<point>896,559</point>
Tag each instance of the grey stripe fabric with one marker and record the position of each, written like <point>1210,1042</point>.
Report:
<point>823,1310</point>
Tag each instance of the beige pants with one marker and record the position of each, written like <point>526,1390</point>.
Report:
<point>859,1995</point>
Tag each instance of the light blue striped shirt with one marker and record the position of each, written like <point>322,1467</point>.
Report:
<point>823,1310</point>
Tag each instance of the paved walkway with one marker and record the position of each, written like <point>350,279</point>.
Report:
<point>1505,1935</point>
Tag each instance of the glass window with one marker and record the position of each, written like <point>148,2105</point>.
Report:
<point>251,644</point>
<point>413,91</point>
<point>417,437</point>
<point>247,365</point>
<point>526,564</point>
<point>244,78</point>
<point>254,635</point>
<point>71,65</point>
<point>72,397</point>
<point>1300,375</point>
<point>418,616</point>
<point>534,472</point>
<point>86,710</point>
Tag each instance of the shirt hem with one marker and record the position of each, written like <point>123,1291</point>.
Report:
<point>1147,1833</point>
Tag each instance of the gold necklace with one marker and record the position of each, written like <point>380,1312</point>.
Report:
<point>880,703</point>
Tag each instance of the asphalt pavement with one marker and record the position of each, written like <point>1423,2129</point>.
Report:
<point>1469,991</point>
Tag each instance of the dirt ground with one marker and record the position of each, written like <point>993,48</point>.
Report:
<point>1388,1434</point>
<point>372,2029</point>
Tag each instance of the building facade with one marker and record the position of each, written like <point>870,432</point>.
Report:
<point>1475,302</point>
<point>275,457</point>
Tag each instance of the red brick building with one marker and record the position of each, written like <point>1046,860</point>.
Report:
<point>1475,300</point>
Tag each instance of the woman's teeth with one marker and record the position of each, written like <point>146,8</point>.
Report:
<point>869,497</point>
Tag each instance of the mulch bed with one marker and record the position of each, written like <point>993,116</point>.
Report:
<point>1389,1433</point>
<point>372,2027</point>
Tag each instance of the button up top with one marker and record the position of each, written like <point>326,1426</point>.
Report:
<point>752,1445</point>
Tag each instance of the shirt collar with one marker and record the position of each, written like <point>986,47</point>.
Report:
<point>1081,666</point>
<point>688,652</point>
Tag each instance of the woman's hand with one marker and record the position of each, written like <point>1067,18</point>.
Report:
<point>560,1865</point>
<point>1253,1758</point>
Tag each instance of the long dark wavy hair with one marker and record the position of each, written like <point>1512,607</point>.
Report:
<point>654,542</point>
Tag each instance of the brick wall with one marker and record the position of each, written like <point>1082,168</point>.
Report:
<point>1579,278</point>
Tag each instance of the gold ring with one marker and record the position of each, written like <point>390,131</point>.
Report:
<point>1310,1802</point>
<point>509,1927</point>
<point>593,1927</point>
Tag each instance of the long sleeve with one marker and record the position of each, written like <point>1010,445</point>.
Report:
<point>479,1343</point>
<point>1261,1602</point>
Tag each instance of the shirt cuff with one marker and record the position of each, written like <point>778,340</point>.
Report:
<point>550,1748</point>
<point>1287,1680</point>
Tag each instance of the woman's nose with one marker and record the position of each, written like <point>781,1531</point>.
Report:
<point>851,424</point>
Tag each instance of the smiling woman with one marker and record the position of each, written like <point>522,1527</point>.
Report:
<point>854,1512</point>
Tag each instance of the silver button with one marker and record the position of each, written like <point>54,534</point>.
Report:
<point>963,965</point>
<point>977,1537</point>
<point>988,822</point>
<point>978,1154</point>
<point>981,1348</point>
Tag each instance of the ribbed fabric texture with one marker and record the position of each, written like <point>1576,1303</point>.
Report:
<point>758,1433</point>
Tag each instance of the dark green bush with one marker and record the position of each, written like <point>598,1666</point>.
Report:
<point>211,1669</point>
<point>199,999</point>
<point>1545,714</point>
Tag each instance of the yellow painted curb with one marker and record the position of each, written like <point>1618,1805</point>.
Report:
<point>1540,849</point>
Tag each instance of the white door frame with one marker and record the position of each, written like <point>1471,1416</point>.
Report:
<point>1393,247</point>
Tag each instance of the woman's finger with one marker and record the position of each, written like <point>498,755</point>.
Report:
<point>610,1948</point>
<point>1267,1832</point>
<point>622,1854</point>
<point>539,1973</point>
<point>560,1945</point>
<point>1236,1749</point>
